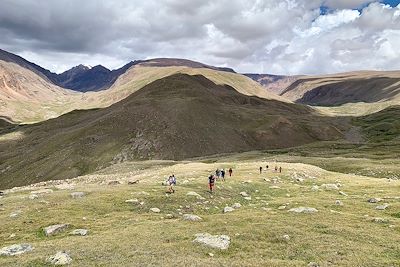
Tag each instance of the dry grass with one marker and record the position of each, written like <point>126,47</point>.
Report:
<point>129,235</point>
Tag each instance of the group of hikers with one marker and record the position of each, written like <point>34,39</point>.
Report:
<point>219,175</point>
<point>267,167</point>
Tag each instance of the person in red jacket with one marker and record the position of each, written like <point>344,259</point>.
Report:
<point>230,171</point>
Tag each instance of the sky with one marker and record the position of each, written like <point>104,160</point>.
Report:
<point>272,36</point>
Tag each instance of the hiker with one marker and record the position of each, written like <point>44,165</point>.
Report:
<point>276,168</point>
<point>260,170</point>
<point>223,175</point>
<point>267,167</point>
<point>171,183</point>
<point>280,169</point>
<point>211,181</point>
<point>230,172</point>
<point>217,173</point>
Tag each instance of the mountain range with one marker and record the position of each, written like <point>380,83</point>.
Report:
<point>175,109</point>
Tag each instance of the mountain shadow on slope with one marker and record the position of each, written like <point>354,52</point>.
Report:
<point>177,117</point>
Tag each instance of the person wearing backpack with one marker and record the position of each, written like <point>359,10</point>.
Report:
<point>230,172</point>
<point>223,175</point>
<point>211,181</point>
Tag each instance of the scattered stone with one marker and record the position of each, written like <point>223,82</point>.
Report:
<point>228,209</point>
<point>115,182</point>
<point>192,217</point>
<point>382,207</point>
<point>12,236</point>
<point>133,182</point>
<point>374,200</point>
<point>303,210</point>
<point>329,187</point>
<point>213,241</point>
<point>266,209</point>
<point>133,201</point>
<point>194,194</point>
<point>267,180</point>
<point>15,249</point>
<point>2,193</point>
<point>81,232</point>
<point>380,220</point>
<point>343,193</point>
<point>247,198</point>
<point>60,258</point>
<point>211,254</point>
<point>315,188</point>
<point>244,194</point>
<point>169,216</point>
<point>282,207</point>
<point>77,194</point>
<point>338,202</point>
<point>155,210</point>
<point>54,229</point>
<point>236,205</point>
<point>313,264</point>
<point>33,196</point>
<point>15,214</point>
<point>286,237</point>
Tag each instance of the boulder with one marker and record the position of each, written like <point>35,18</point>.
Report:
<point>15,249</point>
<point>213,241</point>
<point>155,210</point>
<point>228,209</point>
<point>315,188</point>
<point>374,200</point>
<point>286,237</point>
<point>133,182</point>
<point>236,206</point>
<point>54,229</point>
<point>81,232</point>
<point>382,207</point>
<point>303,210</point>
<point>244,194</point>
<point>77,194</point>
<point>33,196</point>
<point>338,203</point>
<point>191,217</point>
<point>132,201</point>
<point>60,258</point>
<point>114,182</point>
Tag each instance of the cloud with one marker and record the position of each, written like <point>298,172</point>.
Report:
<point>288,37</point>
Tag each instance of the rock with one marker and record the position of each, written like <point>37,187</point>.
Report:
<point>77,194</point>
<point>211,254</point>
<point>169,216</point>
<point>228,209</point>
<point>282,207</point>
<point>286,237</point>
<point>266,209</point>
<point>33,196</point>
<point>60,258</point>
<point>303,210</point>
<point>382,207</point>
<point>338,203</point>
<point>194,194</point>
<point>133,201</point>
<point>380,220</point>
<point>247,198</point>
<point>15,249</point>
<point>315,188</point>
<point>313,264</point>
<point>155,210</point>
<point>374,200</point>
<point>114,182</point>
<point>133,182</point>
<point>274,187</point>
<point>12,236</point>
<point>54,229</point>
<point>2,193</point>
<point>343,193</point>
<point>329,187</point>
<point>213,241</point>
<point>42,191</point>
<point>236,206</point>
<point>15,214</point>
<point>244,194</point>
<point>81,232</point>
<point>191,217</point>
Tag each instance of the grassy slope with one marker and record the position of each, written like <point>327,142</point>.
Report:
<point>178,117</point>
<point>126,234</point>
